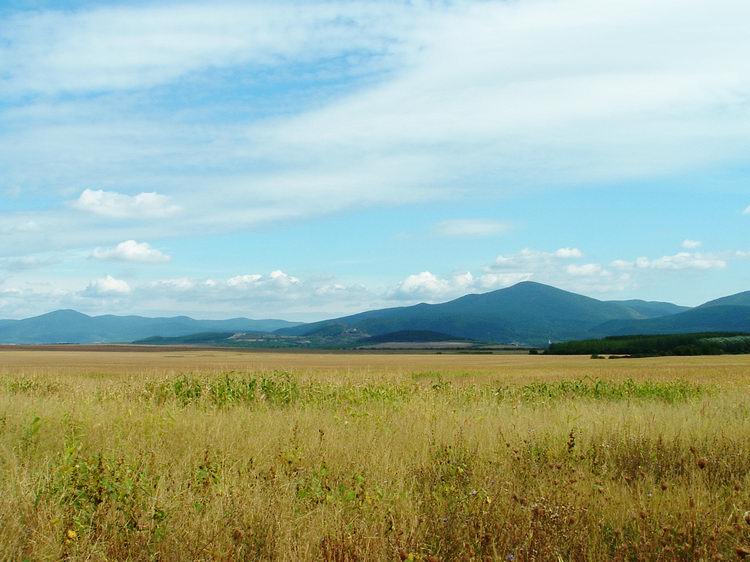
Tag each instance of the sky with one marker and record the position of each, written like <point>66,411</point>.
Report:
<point>302,159</point>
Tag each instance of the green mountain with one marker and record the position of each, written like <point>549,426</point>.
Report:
<point>409,336</point>
<point>714,318</point>
<point>528,312</point>
<point>69,326</point>
<point>726,314</point>
<point>740,299</point>
<point>653,309</point>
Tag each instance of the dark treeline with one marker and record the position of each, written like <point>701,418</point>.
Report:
<point>655,346</point>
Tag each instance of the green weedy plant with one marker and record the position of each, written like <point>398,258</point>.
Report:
<point>229,390</point>
<point>98,491</point>
<point>628,389</point>
<point>26,385</point>
<point>279,389</point>
<point>30,434</point>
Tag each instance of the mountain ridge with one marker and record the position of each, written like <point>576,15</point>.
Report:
<point>71,326</point>
<point>527,313</point>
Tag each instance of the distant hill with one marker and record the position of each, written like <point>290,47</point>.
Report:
<point>653,309</point>
<point>528,312</point>
<point>714,318</point>
<point>203,338</point>
<point>69,326</point>
<point>410,336</point>
<point>740,299</point>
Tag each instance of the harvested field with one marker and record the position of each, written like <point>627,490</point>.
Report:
<point>214,455</point>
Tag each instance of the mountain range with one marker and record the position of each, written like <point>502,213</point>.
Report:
<point>528,313</point>
<point>70,326</point>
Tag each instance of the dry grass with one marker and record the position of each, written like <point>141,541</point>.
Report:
<point>223,456</point>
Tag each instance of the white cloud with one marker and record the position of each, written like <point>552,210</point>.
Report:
<point>691,244</point>
<point>568,253</point>
<point>622,264</point>
<point>270,295</point>
<point>746,211</point>
<point>243,281</point>
<point>133,251</point>
<point>107,286</point>
<point>491,281</point>
<point>587,270</point>
<point>528,256</point>
<point>276,279</point>
<point>543,95</point>
<point>122,48</point>
<point>119,206</point>
<point>428,286</point>
<point>281,279</point>
<point>176,284</point>
<point>470,228</point>
<point>682,260</point>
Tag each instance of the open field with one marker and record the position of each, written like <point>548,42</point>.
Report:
<point>211,455</point>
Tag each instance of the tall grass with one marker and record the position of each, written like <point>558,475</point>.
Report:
<point>264,465</point>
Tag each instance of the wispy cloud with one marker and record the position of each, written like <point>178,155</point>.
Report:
<point>131,47</point>
<point>691,244</point>
<point>442,116</point>
<point>470,228</point>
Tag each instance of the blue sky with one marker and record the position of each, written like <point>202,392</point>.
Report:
<point>308,159</point>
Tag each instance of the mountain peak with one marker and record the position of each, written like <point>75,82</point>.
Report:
<point>64,313</point>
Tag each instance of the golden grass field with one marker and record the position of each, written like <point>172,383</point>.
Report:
<point>219,455</point>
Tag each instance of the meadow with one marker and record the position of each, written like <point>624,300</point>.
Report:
<point>213,455</point>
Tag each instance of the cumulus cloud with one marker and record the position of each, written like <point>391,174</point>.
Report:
<point>131,251</point>
<point>622,264</point>
<point>491,281</point>
<point>107,287</point>
<point>470,228</point>
<point>243,281</point>
<point>427,285</point>
<point>682,260</point>
<point>691,244</point>
<point>568,253</point>
<point>587,270</point>
<point>433,288</point>
<point>115,205</point>
<point>528,256</point>
<point>277,279</point>
<point>177,284</point>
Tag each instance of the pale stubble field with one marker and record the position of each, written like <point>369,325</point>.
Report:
<point>221,455</point>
